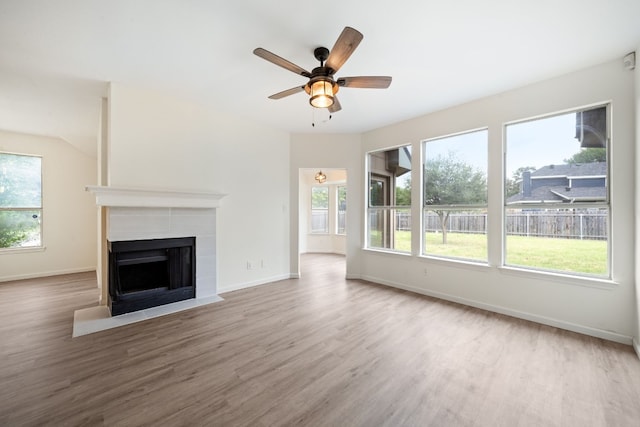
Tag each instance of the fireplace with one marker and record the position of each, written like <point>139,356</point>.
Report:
<point>149,273</point>
<point>152,214</point>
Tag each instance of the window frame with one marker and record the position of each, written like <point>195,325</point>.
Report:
<point>452,208</point>
<point>339,211</point>
<point>325,230</point>
<point>40,208</point>
<point>389,207</point>
<point>559,206</point>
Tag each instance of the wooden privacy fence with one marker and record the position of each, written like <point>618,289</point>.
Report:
<point>567,225</point>
<point>563,225</point>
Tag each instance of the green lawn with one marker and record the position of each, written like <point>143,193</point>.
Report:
<point>461,245</point>
<point>573,255</point>
<point>570,255</point>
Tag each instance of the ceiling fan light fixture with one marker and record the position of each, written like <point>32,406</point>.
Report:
<point>321,93</point>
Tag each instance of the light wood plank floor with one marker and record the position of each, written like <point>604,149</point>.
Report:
<point>318,351</point>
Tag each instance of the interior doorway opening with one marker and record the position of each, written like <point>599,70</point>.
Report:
<point>322,211</point>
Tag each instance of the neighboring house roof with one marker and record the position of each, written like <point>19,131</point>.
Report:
<point>561,194</point>
<point>540,193</point>
<point>580,193</point>
<point>575,170</point>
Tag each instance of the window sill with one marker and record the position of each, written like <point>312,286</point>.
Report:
<point>387,252</point>
<point>8,251</point>
<point>456,262</point>
<point>586,281</point>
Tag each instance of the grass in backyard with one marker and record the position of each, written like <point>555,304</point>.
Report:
<point>568,255</point>
<point>402,240</point>
<point>460,245</point>
<point>571,255</point>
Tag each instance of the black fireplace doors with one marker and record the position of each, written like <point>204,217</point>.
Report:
<point>148,273</point>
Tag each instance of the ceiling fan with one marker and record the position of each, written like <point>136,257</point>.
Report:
<point>322,85</point>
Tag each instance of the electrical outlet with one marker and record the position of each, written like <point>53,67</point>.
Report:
<point>249,265</point>
<point>425,272</point>
<point>262,264</point>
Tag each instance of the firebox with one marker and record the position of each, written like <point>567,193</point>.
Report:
<point>149,273</point>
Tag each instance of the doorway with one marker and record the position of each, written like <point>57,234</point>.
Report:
<point>322,212</point>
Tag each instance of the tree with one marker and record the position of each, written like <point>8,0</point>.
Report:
<point>20,188</point>
<point>403,194</point>
<point>588,155</point>
<point>449,182</point>
<point>320,197</point>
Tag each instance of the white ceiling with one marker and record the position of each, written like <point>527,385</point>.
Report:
<point>57,56</point>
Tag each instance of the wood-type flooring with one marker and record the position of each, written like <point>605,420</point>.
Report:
<point>315,351</point>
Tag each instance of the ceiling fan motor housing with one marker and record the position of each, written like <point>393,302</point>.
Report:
<point>321,74</point>
<point>321,54</point>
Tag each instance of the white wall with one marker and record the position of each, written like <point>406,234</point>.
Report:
<point>329,151</point>
<point>69,212</point>
<point>637,210</point>
<point>600,309</point>
<point>158,141</point>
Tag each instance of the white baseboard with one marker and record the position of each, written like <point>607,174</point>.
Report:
<point>46,274</point>
<point>238,286</point>
<point>585,330</point>
<point>636,347</point>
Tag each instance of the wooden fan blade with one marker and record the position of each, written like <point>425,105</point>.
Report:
<point>287,92</point>
<point>368,82</point>
<point>275,59</point>
<point>335,106</point>
<point>347,42</point>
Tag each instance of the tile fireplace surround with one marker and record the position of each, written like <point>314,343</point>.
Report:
<point>135,214</point>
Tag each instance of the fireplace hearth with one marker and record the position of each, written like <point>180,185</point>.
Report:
<point>149,273</point>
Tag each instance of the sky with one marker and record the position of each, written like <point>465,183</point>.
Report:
<point>541,142</point>
<point>534,143</point>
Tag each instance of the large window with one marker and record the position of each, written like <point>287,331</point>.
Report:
<point>341,223</point>
<point>455,196</point>
<point>20,201</point>
<point>556,193</point>
<point>320,210</point>
<point>389,209</point>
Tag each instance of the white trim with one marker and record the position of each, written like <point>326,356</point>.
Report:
<point>145,198</point>
<point>95,319</point>
<point>636,347</point>
<point>452,135</point>
<point>245,285</point>
<point>547,177</point>
<point>586,176</point>
<point>585,330</point>
<point>559,277</point>
<point>47,274</point>
<point>22,249</point>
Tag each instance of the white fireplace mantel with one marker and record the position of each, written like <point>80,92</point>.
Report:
<point>146,198</point>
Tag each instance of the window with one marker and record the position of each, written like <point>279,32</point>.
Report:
<point>556,193</point>
<point>320,210</point>
<point>389,210</point>
<point>455,196</point>
<point>341,223</point>
<point>20,201</point>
